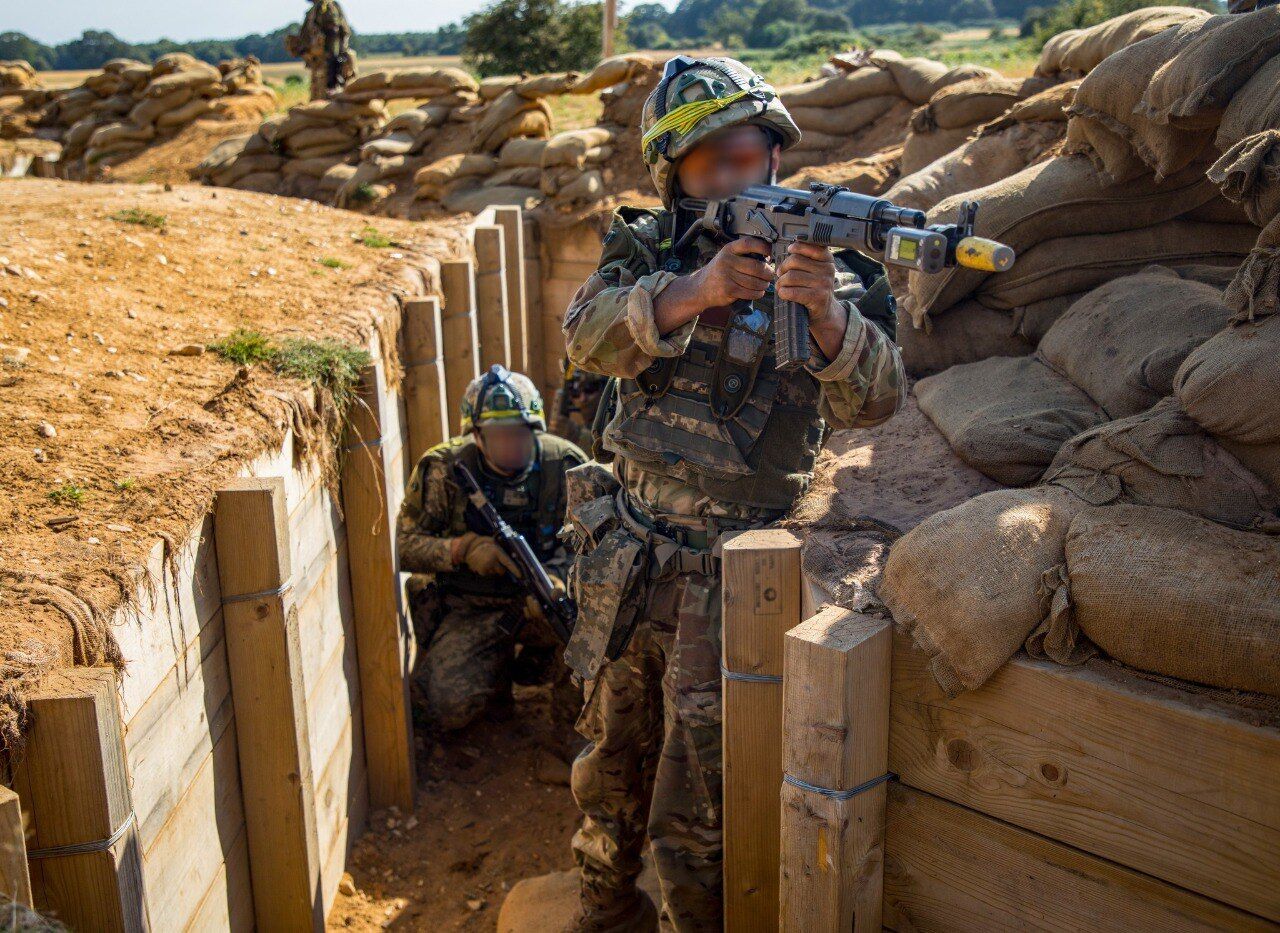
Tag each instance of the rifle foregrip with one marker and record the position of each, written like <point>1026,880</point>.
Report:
<point>790,335</point>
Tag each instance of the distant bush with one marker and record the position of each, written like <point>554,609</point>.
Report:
<point>533,37</point>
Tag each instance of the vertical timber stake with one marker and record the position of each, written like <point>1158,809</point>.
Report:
<point>264,657</point>
<point>836,720</point>
<point>461,348</point>
<point>762,583</point>
<point>511,219</point>
<point>424,391</point>
<point>383,641</point>
<point>15,879</point>
<point>86,860</point>
<point>492,321</point>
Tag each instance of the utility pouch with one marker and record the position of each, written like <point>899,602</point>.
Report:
<point>607,583</point>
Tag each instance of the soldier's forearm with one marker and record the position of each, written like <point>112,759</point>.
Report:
<point>829,330</point>
<point>679,303</point>
<point>421,553</point>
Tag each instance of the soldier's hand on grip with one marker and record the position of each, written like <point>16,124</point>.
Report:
<point>740,271</point>
<point>808,275</point>
<point>483,556</point>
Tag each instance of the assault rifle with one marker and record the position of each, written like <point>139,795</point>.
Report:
<point>559,610</point>
<point>835,216</point>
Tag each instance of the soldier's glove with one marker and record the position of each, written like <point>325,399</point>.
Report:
<point>533,610</point>
<point>483,556</point>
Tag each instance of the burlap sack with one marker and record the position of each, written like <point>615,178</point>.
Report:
<point>965,334</point>
<point>1034,320</point>
<point>924,147</point>
<point>190,111</point>
<point>918,79</point>
<point>966,583</point>
<point>430,181</point>
<point>195,80</point>
<point>1060,197</point>
<point>447,79</point>
<point>547,85</point>
<point>847,88</point>
<point>495,87</point>
<point>1177,595</point>
<point>146,111</point>
<point>1080,263</point>
<point>500,118</point>
<point>1249,174</point>
<point>522,176</point>
<point>613,71</point>
<point>1213,59</point>
<point>475,200</point>
<point>227,176</point>
<point>311,166</point>
<point>1006,416</point>
<point>1048,106</point>
<point>323,135</point>
<point>1230,386</point>
<point>570,148</point>
<point>107,136</point>
<point>517,153</point>
<point>324,150</point>
<point>978,100</point>
<point>476,164</point>
<point>1078,51</point>
<point>1255,290</point>
<point>841,119</point>
<point>387,145</point>
<point>587,188</point>
<point>167,64</point>
<point>1123,342</point>
<point>1162,458</point>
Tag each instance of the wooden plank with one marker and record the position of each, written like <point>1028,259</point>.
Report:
<point>1162,781</point>
<point>761,596</point>
<point>323,619</point>
<point>949,868</point>
<point>424,385</point>
<point>15,878</point>
<point>264,658</point>
<point>169,739</point>
<point>228,904</point>
<point>75,784</point>
<point>382,635</point>
<point>523,350</point>
<point>836,723</point>
<point>461,347</point>
<point>331,706</point>
<point>350,829</point>
<point>492,322</point>
<point>190,851</point>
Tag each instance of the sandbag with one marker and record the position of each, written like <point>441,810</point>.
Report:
<point>843,119</point>
<point>475,200</point>
<point>1049,105</point>
<point>522,176</point>
<point>447,79</point>
<point>967,333</point>
<point>1034,320</point>
<point>1161,457</point>
<point>571,147</point>
<point>195,81</point>
<point>516,153</point>
<point>975,101</point>
<point>373,81</point>
<point>546,85</point>
<point>504,119</point>
<point>918,79</point>
<point>431,179</point>
<point>1060,197</point>
<point>493,88</point>
<point>310,167</point>
<point>146,111</point>
<point>842,89</point>
<point>1230,386</point>
<point>1177,595</point>
<point>585,189</point>
<point>188,112</point>
<point>1078,51</point>
<point>1213,59</point>
<point>966,583</point>
<point>1081,263</point>
<point>1255,290</point>
<point>1006,416</point>
<point>613,71</point>
<point>389,144</point>
<point>1249,174</point>
<point>107,136</point>
<point>1123,342</point>
<point>227,176</point>
<point>322,135</point>
<point>264,182</point>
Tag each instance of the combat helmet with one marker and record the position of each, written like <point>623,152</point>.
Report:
<point>502,397</point>
<point>696,97</point>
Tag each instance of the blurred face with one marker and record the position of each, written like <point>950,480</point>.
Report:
<point>726,162</point>
<point>508,448</point>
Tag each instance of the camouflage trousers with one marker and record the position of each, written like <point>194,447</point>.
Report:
<point>652,764</point>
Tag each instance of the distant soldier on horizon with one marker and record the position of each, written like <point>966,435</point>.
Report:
<point>324,44</point>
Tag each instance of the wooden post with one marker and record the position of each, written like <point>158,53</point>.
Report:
<point>15,879</point>
<point>75,784</point>
<point>511,219</point>
<point>610,26</point>
<point>492,321</point>
<point>836,722</point>
<point>762,584</point>
<point>461,346</point>
<point>264,658</point>
<point>424,391</point>
<point>383,640</point>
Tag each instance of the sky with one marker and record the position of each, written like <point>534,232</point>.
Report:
<point>148,20</point>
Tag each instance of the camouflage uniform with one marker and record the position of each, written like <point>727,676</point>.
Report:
<point>572,413</point>
<point>653,716</point>
<point>324,45</point>
<point>464,622</point>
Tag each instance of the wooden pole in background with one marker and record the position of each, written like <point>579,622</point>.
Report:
<point>74,783</point>
<point>15,878</point>
<point>424,386</point>
<point>511,219</point>
<point>383,640</point>
<point>610,25</point>
<point>762,584</point>
<point>460,350</point>
<point>836,723</point>
<point>264,657</point>
<point>492,319</point>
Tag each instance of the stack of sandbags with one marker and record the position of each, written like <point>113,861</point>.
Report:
<point>836,113</point>
<point>1024,134</point>
<point>408,142</point>
<point>445,86</point>
<point>470,183</point>
<point>1155,106</point>
<point>1072,232</point>
<point>1076,52</point>
<point>21,99</point>
<point>956,112</point>
<point>1249,139</point>
<point>574,163</point>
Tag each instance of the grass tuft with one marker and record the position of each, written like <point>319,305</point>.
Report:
<point>330,262</point>
<point>67,494</point>
<point>374,239</point>
<point>139,217</point>
<point>243,347</point>
<point>365,193</point>
<point>328,364</point>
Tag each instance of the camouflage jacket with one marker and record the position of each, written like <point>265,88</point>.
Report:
<point>325,30</point>
<point>435,511</point>
<point>609,329</point>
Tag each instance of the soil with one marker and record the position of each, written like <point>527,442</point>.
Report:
<point>493,808</point>
<point>175,160</point>
<point>108,440</point>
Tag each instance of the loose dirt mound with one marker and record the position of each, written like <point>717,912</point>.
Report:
<point>175,160</point>
<point>107,439</point>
